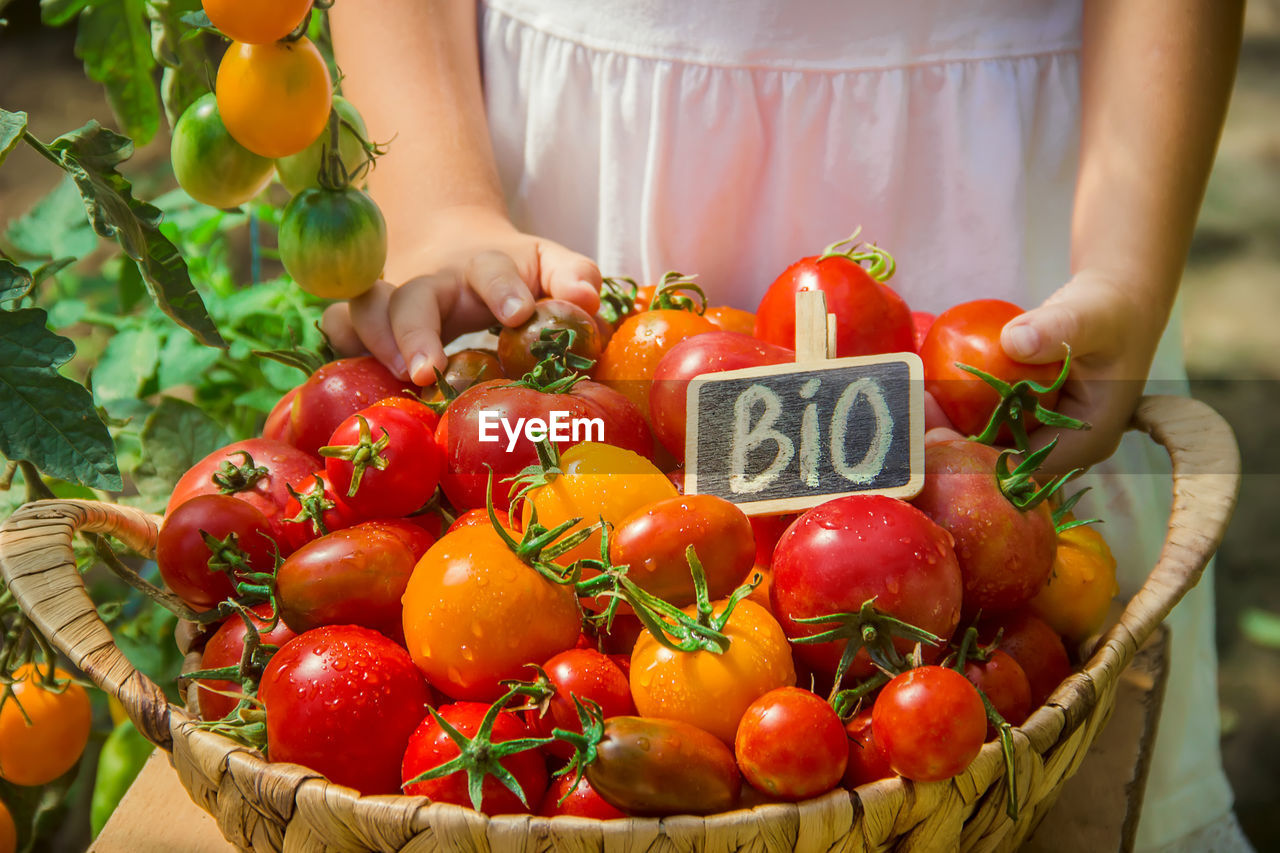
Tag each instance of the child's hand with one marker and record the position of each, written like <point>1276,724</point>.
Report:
<point>1113,341</point>
<point>476,267</point>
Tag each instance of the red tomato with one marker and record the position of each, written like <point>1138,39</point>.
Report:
<point>923,321</point>
<point>870,317</point>
<point>930,722</point>
<point>466,456</point>
<point>516,343</point>
<point>430,746</point>
<point>1005,685</point>
<point>383,462</point>
<point>466,368</point>
<point>1005,553</point>
<point>579,801</point>
<point>791,745</point>
<point>317,510</point>
<point>343,700</point>
<point>1036,648</point>
<point>354,576</point>
<point>710,352</point>
<point>970,334</point>
<point>279,425</point>
<point>225,648</point>
<point>258,471</point>
<point>188,565</point>
<point>424,413</point>
<point>587,674</point>
<point>471,518</point>
<point>839,555</point>
<point>768,529</point>
<point>867,762</point>
<point>337,391</point>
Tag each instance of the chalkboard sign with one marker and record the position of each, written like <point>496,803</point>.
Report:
<point>787,437</point>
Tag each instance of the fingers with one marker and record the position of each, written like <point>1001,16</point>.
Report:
<point>414,311</point>
<point>570,276</point>
<point>494,277</point>
<point>1080,315</point>
<point>338,328</point>
<point>372,322</point>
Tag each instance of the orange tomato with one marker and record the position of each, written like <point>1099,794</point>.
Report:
<point>632,355</point>
<point>475,614</point>
<point>708,690</point>
<point>256,21</point>
<point>1075,599</point>
<point>732,319</point>
<point>8,832</point>
<point>274,98</point>
<point>39,751</point>
<point>598,481</point>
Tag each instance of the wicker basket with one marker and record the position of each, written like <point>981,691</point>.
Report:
<point>264,806</point>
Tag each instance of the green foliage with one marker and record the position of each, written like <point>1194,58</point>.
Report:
<point>12,126</point>
<point>114,42</point>
<point>119,763</point>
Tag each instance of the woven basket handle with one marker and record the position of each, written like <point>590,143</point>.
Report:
<point>40,569</point>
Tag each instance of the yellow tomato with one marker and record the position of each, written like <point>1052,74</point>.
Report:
<point>274,98</point>
<point>256,21</point>
<point>598,481</point>
<point>1075,600</point>
<point>707,690</point>
<point>39,747</point>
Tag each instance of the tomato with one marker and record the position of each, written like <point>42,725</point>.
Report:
<point>466,368</point>
<point>930,723</point>
<point>1075,599</point>
<point>209,164</point>
<point>791,745</point>
<point>354,576</point>
<point>708,690</point>
<point>870,317</point>
<point>580,800</point>
<point>424,413</point>
<point>731,319</point>
<point>1005,685</point>
<point>849,550</point>
<point>431,746</point>
<point>255,22</point>
<point>417,537</point>
<point>9,832</point>
<point>279,426</point>
<point>516,343</point>
<point>316,510</point>
<point>226,648</point>
<point>337,391</point>
<point>333,242</point>
<point>1036,648</point>
<point>586,674</point>
<point>471,518</point>
<point>469,615</point>
<point>510,406</point>
<point>383,462</point>
<point>711,352</point>
<point>343,700</point>
<point>198,574</point>
<point>659,767</point>
<point>597,481</point>
<point>970,334</point>
<point>43,732</point>
<point>1005,553</point>
<point>257,470</point>
<point>923,322</point>
<point>867,762</point>
<point>629,361</point>
<point>274,98</point>
<point>301,171</point>
<point>652,541</point>
<point>768,529</point>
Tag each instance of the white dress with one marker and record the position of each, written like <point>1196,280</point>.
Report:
<point>729,139</point>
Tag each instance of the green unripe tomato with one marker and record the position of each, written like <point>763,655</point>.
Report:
<point>211,166</point>
<point>301,171</point>
<point>333,242</point>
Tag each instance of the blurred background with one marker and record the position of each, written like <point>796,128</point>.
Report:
<point>1231,302</point>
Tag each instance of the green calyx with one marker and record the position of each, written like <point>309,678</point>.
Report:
<point>1019,487</point>
<point>558,368</point>
<point>585,743</point>
<point>878,263</point>
<point>479,757</point>
<point>313,506</point>
<point>1060,522</point>
<point>231,478</point>
<point>618,298</point>
<point>364,454</point>
<point>1019,399</point>
<point>246,723</point>
<point>970,650</point>
<point>678,292</point>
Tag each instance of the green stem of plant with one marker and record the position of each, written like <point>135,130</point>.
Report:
<point>44,150</point>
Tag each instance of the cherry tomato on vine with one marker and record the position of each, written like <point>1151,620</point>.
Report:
<point>201,574</point>
<point>333,242</point>
<point>515,343</point>
<point>335,392</point>
<point>383,462</point>
<point>867,762</point>
<point>209,164</point>
<point>343,700</point>
<point>580,800</point>
<point>301,171</point>
<point>587,674</point>
<point>969,333</point>
<point>791,745</point>
<point>225,648</point>
<point>274,98</point>
<point>256,22</point>
<point>43,732</point>
<point>1034,645</point>
<point>1005,685</point>
<point>930,723</point>
<point>315,508</point>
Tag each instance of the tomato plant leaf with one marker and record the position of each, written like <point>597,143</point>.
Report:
<point>12,126</point>
<point>114,41</point>
<point>15,281</point>
<point>91,154</point>
<point>55,227</point>
<point>45,418</point>
<point>174,437</point>
<point>184,53</point>
<point>129,360</point>
<point>57,13</point>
